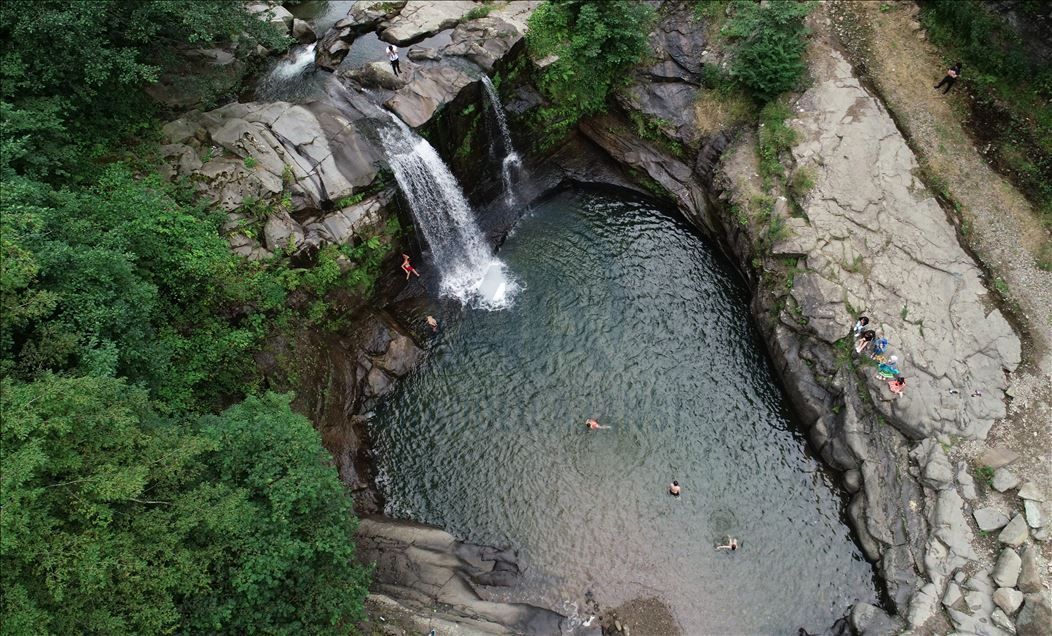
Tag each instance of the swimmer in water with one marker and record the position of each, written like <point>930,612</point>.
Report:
<point>673,488</point>
<point>732,545</point>
<point>594,425</point>
<point>431,322</point>
<point>407,268</point>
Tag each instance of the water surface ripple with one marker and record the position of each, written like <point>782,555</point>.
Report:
<point>627,316</point>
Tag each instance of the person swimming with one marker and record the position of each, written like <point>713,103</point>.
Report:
<point>407,268</point>
<point>594,425</point>
<point>431,322</point>
<point>673,488</point>
<point>732,545</point>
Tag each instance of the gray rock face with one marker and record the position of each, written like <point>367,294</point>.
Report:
<point>428,570</point>
<point>1015,532</point>
<point>1029,575</point>
<point>303,32</point>
<point>484,41</point>
<point>866,195</point>
<point>420,18</point>
<point>1001,620</point>
<point>868,620</point>
<point>1006,572</point>
<point>1035,617</point>
<point>340,226</point>
<point>427,90</point>
<point>990,519</point>
<point>1004,480</point>
<point>967,483</point>
<point>936,472</point>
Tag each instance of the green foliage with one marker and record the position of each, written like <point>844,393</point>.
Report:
<point>802,182</point>
<point>770,44</point>
<point>480,11</point>
<point>251,162</point>
<point>985,475</point>
<point>350,200</point>
<point>775,138</point>
<point>1011,87</point>
<point>118,521</point>
<point>595,42</point>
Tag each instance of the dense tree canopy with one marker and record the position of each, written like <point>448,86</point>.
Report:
<point>127,505</point>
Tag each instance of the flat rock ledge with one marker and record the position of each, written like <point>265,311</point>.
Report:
<point>432,574</point>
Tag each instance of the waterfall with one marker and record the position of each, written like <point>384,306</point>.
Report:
<point>469,271</point>
<point>290,79</point>
<point>511,159</point>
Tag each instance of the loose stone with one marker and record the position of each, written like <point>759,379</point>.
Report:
<point>1005,479</point>
<point>1030,491</point>
<point>1032,509</point>
<point>1035,617</point>
<point>1015,532</point>
<point>1008,599</point>
<point>990,519</point>
<point>1029,576</point>
<point>1001,619</point>
<point>1006,572</point>
<point>997,457</point>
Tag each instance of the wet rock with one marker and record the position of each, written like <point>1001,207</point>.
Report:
<point>1004,480</point>
<point>852,480</point>
<point>401,357</point>
<point>419,55</point>
<point>375,75</point>
<point>868,620</point>
<point>1006,572</point>
<point>419,19</point>
<point>366,16</point>
<point>1030,491</point>
<point>276,15</point>
<point>303,32</point>
<point>1008,599</point>
<point>1034,516</point>
<point>990,519</point>
<point>997,457</point>
<point>1029,575</point>
<point>1035,617</point>
<point>428,90</point>
<point>1015,532</point>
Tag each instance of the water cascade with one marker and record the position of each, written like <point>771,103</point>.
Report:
<point>288,80</point>
<point>511,159</point>
<point>469,270</point>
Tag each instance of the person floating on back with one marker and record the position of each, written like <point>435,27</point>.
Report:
<point>732,545</point>
<point>407,268</point>
<point>673,488</point>
<point>593,425</point>
<point>392,56</point>
<point>952,74</point>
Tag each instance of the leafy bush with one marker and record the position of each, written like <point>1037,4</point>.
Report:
<point>595,43</point>
<point>770,37</point>
<point>775,139</point>
<point>116,520</point>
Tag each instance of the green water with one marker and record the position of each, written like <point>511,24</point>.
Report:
<point>627,316</point>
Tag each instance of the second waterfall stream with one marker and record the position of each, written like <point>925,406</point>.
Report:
<point>511,159</point>
<point>469,270</point>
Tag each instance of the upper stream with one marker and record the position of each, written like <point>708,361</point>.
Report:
<point>624,315</point>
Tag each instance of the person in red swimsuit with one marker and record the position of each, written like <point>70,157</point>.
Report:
<point>407,268</point>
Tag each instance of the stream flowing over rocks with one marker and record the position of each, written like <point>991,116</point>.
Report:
<point>868,238</point>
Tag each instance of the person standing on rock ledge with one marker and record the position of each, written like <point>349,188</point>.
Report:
<point>392,56</point>
<point>951,78</point>
<point>407,268</point>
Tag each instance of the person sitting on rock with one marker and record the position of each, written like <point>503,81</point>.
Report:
<point>898,385</point>
<point>593,425</point>
<point>863,321</point>
<point>864,340</point>
<point>673,488</point>
<point>888,369</point>
<point>732,545</point>
<point>407,268</point>
<point>880,345</point>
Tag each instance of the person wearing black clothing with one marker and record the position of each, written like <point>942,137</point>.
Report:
<point>951,78</point>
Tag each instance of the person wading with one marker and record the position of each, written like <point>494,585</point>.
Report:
<point>952,74</point>
<point>392,56</point>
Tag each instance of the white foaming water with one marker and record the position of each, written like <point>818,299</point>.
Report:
<point>469,270</point>
<point>511,158</point>
<point>288,80</point>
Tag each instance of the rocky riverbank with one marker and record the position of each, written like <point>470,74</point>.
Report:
<point>868,237</point>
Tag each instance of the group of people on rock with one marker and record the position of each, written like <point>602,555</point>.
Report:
<point>867,343</point>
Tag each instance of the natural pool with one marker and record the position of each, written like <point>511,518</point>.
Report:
<point>627,316</point>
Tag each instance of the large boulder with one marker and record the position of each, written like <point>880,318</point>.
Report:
<point>428,90</point>
<point>485,41</point>
<point>419,19</point>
